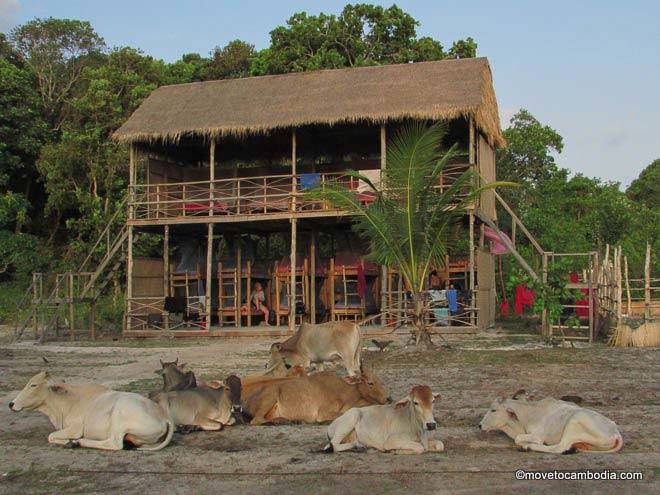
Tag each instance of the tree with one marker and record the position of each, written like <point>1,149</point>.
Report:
<point>56,51</point>
<point>360,35</point>
<point>230,61</point>
<point>466,48</point>
<point>411,224</point>
<point>646,188</point>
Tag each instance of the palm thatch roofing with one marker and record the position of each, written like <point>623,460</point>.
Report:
<point>445,89</point>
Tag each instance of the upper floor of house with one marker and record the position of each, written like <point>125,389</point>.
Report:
<point>249,149</point>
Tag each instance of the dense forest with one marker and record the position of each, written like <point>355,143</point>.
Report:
<point>63,91</point>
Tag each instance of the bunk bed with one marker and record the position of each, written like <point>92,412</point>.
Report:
<point>352,287</point>
<point>237,285</point>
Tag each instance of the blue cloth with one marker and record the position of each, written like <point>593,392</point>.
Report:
<point>452,300</point>
<point>307,181</point>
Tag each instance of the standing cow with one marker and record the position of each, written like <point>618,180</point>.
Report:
<point>94,416</point>
<point>316,344</point>
<point>551,425</point>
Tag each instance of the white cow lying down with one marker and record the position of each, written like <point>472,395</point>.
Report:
<point>551,425</point>
<point>403,427</point>
<point>94,416</point>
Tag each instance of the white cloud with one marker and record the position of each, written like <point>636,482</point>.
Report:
<point>8,9</point>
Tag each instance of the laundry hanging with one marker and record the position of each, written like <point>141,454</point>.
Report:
<point>524,297</point>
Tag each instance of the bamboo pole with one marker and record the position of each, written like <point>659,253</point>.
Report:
<point>629,308</point>
<point>292,280</point>
<point>209,276</point>
<point>71,308</point>
<point>211,176</point>
<point>647,282</point>
<point>312,262</point>
<point>131,180</point>
<point>383,165</point>
<point>471,261</point>
<point>237,284</point>
<point>619,291</point>
<point>545,323</point>
<point>332,289</point>
<point>129,278</point>
<point>166,270</point>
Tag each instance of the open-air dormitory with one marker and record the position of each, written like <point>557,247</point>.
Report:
<point>218,175</point>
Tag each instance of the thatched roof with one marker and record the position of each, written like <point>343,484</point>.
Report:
<point>445,89</point>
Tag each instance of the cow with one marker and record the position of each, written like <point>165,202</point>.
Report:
<point>252,383</point>
<point>315,398</point>
<point>174,378</point>
<point>94,416</point>
<point>402,427</point>
<point>326,342</point>
<point>279,370</point>
<point>551,425</point>
<point>207,408</point>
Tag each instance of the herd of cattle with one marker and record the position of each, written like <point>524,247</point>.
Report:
<point>360,411</point>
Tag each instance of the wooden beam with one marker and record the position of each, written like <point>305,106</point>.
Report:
<point>292,280</point>
<point>209,276</point>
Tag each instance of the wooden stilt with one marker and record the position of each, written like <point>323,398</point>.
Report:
<point>71,308</point>
<point>383,269</point>
<point>312,292</point>
<point>471,261</point>
<point>129,278</point>
<point>239,273</point>
<point>647,282</point>
<point>292,282</point>
<point>208,309</point>
<point>628,298</point>
<point>166,271</point>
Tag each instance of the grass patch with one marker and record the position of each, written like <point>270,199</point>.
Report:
<point>142,385</point>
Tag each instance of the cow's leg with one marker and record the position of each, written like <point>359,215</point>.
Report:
<point>573,432</point>
<point>114,442</point>
<point>525,439</point>
<point>207,424</point>
<point>343,430</point>
<point>64,436</point>
<point>265,412</point>
<point>402,445</point>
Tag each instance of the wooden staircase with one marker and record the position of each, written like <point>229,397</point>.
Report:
<point>49,293</point>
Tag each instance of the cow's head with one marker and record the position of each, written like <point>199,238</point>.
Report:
<point>174,376</point>
<point>371,388</point>
<point>500,417</point>
<point>170,365</point>
<point>280,358</point>
<point>420,401</point>
<point>35,393</point>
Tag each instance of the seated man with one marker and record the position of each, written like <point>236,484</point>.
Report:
<point>258,299</point>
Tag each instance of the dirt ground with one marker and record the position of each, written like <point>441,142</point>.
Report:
<point>623,384</point>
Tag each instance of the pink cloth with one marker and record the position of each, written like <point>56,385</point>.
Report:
<point>361,281</point>
<point>496,244</point>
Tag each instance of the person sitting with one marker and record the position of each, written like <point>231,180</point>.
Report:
<point>258,299</point>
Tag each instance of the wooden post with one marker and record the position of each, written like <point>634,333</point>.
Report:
<point>647,282</point>
<point>237,276</point>
<point>629,301</point>
<point>131,180</point>
<point>166,270</point>
<point>312,291</point>
<point>129,278</point>
<point>248,290</point>
<point>92,319</point>
<point>332,288</point>
<point>292,288</point>
<point>383,269</point>
<point>294,170</point>
<point>212,176</point>
<point>471,261</point>
<point>71,308</point>
<point>209,276</point>
<point>590,296</point>
<point>545,323</point>
<point>619,288</point>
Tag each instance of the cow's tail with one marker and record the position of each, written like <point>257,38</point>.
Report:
<point>166,440</point>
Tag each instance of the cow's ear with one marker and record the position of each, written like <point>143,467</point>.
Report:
<point>58,389</point>
<point>436,397</point>
<point>402,403</point>
<point>216,384</point>
<point>518,393</point>
<point>512,414</point>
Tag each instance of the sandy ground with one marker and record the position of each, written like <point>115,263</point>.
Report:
<point>620,383</point>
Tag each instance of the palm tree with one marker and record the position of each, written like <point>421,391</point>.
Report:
<point>411,223</point>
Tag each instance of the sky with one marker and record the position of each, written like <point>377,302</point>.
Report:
<point>589,69</point>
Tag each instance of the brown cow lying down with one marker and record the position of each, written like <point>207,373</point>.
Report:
<point>94,416</point>
<point>279,370</point>
<point>403,427</point>
<point>250,384</point>
<point>204,407</point>
<point>315,398</point>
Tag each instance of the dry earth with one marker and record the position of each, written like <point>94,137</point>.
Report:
<point>621,383</point>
